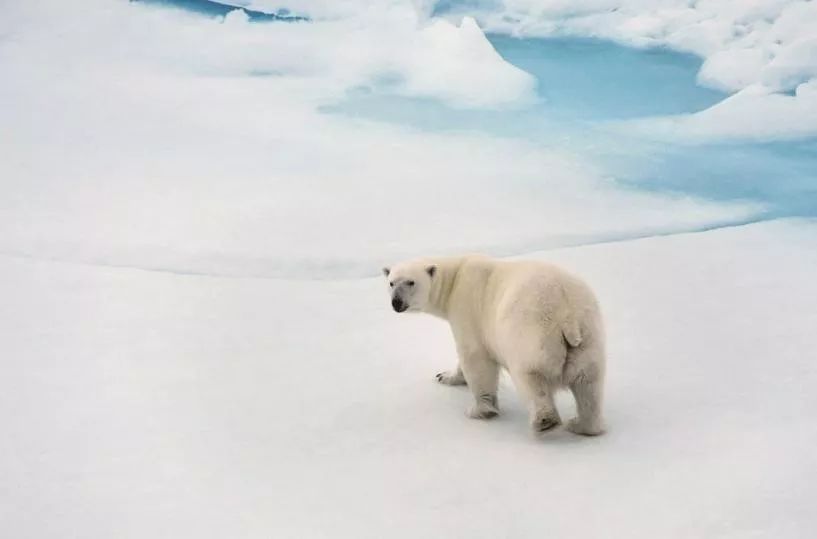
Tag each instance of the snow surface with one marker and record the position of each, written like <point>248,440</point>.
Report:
<point>194,144</point>
<point>148,404</point>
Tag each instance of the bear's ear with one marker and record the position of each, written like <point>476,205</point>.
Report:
<point>386,271</point>
<point>431,270</point>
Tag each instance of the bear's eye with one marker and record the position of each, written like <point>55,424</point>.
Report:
<point>410,283</point>
<point>391,284</point>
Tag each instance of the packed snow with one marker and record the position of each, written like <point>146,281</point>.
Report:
<point>193,210</point>
<point>148,404</point>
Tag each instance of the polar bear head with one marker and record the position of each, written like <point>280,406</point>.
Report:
<point>410,285</point>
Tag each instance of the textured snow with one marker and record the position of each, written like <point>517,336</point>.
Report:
<point>146,404</point>
<point>141,136</point>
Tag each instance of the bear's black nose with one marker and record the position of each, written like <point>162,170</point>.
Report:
<point>398,305</point>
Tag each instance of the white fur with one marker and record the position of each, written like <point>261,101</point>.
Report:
<point>537,321</point>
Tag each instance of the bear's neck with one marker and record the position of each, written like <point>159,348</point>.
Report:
<point>441,286</point>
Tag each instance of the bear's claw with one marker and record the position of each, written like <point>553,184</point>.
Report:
<point>450,379</point>
<point>545,424</point>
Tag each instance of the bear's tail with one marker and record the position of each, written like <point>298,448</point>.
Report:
<point>572,332</point>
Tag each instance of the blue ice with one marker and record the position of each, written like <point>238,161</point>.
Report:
<point>586,86</point>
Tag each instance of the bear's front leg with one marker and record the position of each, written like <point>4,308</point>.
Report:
<point>481,373</point>
<point>451,378</point>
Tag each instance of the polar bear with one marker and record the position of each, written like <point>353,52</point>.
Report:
<point>540,323</point>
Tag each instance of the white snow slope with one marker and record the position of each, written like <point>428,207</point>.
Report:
<point>147,404</point>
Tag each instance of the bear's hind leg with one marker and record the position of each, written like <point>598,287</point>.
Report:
<point>585,378</point>
<point>588,403</point>
<point>535,389</point>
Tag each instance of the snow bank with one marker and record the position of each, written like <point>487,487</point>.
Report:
<point>139,404</point>
<point>753,113</point>
<point>147,137</point>
<point>472,74</point>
